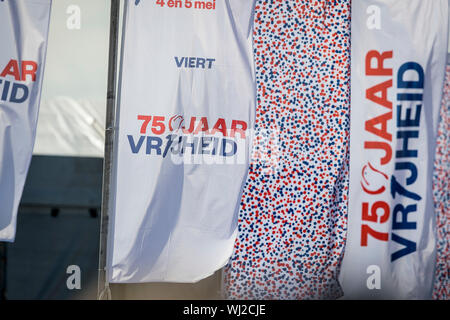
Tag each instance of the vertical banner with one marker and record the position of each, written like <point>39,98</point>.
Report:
<point>293,217</point>
<point>186,106</point>
<point>441,187</point>
<point>24,28</point>
<point>399,51</point>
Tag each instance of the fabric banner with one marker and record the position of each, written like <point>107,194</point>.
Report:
<point>399,51</point>
<point>24,26</point>
<point>186,110</point>
<point>293,219</point>
<point>441,187</point>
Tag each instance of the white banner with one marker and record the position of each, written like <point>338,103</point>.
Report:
<point>187,103</point>
<point>399,50</point>
<point>24,28</point>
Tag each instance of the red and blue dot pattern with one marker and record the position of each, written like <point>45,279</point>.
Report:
<point>441,184</point>
<point>292,221</point>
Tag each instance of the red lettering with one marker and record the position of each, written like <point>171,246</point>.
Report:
<point>202,126</point>
<point>158,126</point>
<point>379,70</point>
<point>382,87</point>
<point>144,125</point>
<point>382,146</point>
<point>241,130</point>
<point>220,126</point>
<point>366,230</point>
<point>11,69</point>
<point>372,216</point>
<point>29,71</point>
<point>371,126</point>
<point>191,126</point>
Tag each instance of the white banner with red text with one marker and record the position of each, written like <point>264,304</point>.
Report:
<point>399,51</point>
<point>187,104</point>
<point>24,26</point>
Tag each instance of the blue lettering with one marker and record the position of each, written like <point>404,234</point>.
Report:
<point>179,62</point>
<point>194,62</point>
<point>205,142</point>
<point>135,148</point>
<point>200,62</point>
<point>15,92</point>
<point>5,90</point>
<point>170,138</point>
<point>233,150</point>
<point>405,152</point>
<point>192,145</point>
<point>410,84</point>
<point>397,188</point>
<point>210,62</point>
<point>410,247</point>
<point>408,166</point>
<point>156,145</point>
<point>408,122</point>
<point>403,224</point>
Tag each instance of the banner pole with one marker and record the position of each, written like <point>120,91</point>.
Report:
<point>104,291</point>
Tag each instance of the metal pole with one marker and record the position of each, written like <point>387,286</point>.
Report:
<point>103,284</point>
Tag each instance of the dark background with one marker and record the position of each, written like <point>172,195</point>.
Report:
<point>58,225</point>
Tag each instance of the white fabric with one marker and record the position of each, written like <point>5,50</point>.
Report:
<point>177,221</point>
<point>23,37</point>
<point>389,177</point>
<point>71,127</point>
